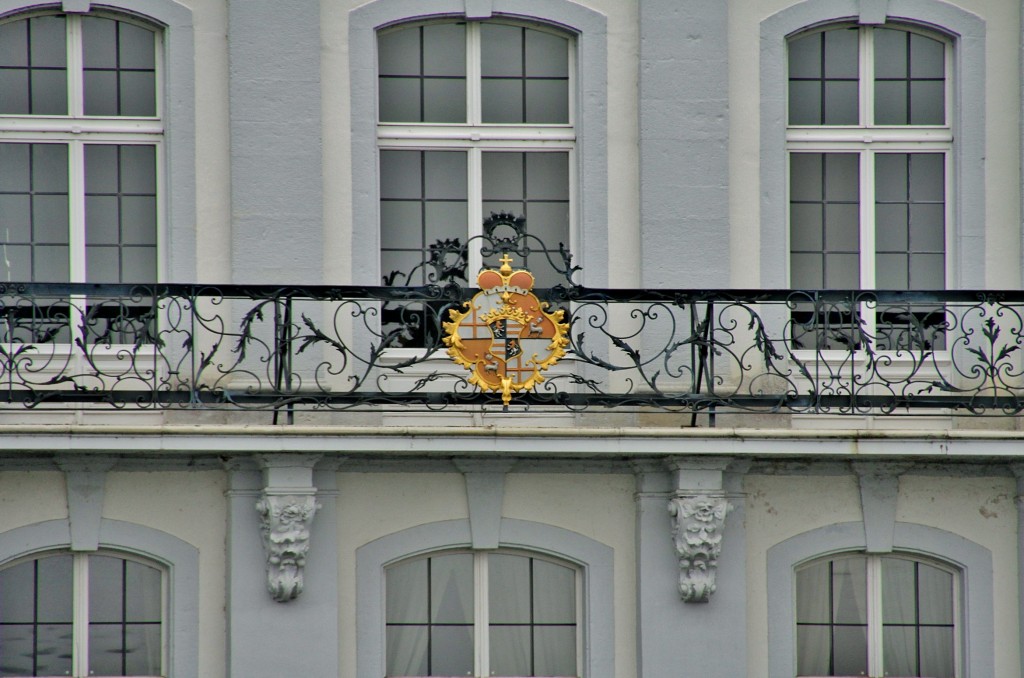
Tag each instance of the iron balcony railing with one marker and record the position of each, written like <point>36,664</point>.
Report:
<point>343,348</point>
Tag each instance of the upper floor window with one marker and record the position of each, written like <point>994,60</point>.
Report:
<point>870,145</point>
<point>95,614</point>
<point>482,614</point>
<point>473,118</point>
<point>859,615</point>
<point>80,147</point>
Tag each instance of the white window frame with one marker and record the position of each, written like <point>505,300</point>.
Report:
<point>76,130</point>
<point>481,611</point>
<point>80,604</point>
<point>867,140</point>
<point>474,136</point>
<point>874,593</point>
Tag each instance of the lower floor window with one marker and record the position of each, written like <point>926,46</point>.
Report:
<point>482,614</point>
<point>81,615</point>
<point>876,616</point>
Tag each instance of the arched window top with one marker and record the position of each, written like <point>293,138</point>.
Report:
<point>505,613</point>
<point>82,614</point>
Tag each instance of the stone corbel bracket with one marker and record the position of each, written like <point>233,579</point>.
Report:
<point>698,509</point>
<point>286,508</point>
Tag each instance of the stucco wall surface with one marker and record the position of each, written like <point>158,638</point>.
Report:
<point>31,497</point>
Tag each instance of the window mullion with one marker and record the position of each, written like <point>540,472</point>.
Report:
<point>874,605</point>
<point>867,78</point>
<point>76,87</point>
<point>80,611</point>
<point>474,104</point>
<point>475,208</point>
<point>481,646</point>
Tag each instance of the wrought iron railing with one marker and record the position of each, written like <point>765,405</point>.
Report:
<point>342,348</point>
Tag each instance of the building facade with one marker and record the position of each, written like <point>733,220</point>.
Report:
<point>783,437</point>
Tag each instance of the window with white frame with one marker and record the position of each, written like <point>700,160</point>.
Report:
<point>81,614</point>
<point>482,614</point>
<point>868,615</point>
<point>870,139</point>
<point>474,118</point>
<point>80,147</point>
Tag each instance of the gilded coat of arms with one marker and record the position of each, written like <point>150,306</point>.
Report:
<point>505,334</point>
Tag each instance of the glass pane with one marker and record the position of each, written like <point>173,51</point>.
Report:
<point>841,53</point>
<point>143,593</point>
<point>50,219</point>
<point>502,101</point>
<point>105,650</point>
<point>840,103</point>
<point>138,169</point>
<point>15,218</point>
<point>444,221</point>
<point>50,168</point>
<point>400,225</point>
<point>554,594</point>
<point>54,589</point>
<point>891,177</point>
<point>842,177</point>
<point>50,264</point>
<point>547,102</point>
<point>139,227</point>
<point>927,228</point>
<point>451,586</point>
<point>509,587</point>
<point>138,93</point>
<point>547,55</point>
<point>398,52</point>
<point>138,265</point>
<point>927,177</point>
<point>18,264</point>
<point>99,42</point>
<point>445,174</point>
<point>807,271</point>
<point>890,53</point>
<point>812,590</point>
<point>444,100</point>
<point>400,100</point>
<point>407,651</point>
<point>927,103</point>
<point>53,650</point>
<point>142,649</point>
<point>849,585</point>
<point>554,650</point>
<point>14,85</point>
<point>48,42</point>
<point>406,588</point>
<point>805,102</point>
<point>936,591</point>
<point>444,49</point>
<point>927,272</point>
<point>14,44</point>
<point>805,225</point>
<point>100,92</point>
<point>842,228</point>
<point>899,649</point>
<point>503,176</point>
<point>17,585</point>
<point>813,649</point>
<point>550,223</point>
<point>899,604</point>
<point>805,56</point>
<point>806,176</point>
<point>927,57</point>
<point>842,271</point>
<point>891,228</point>
<point>137,46</point>
<point>400,174</point>
<point>937,644</point>
<point>14,168</point>
<point>101,169</point>
<point>850,650</point>
<point>16,650</point>
<point>510,650</point>
<point>106,583</point>
<point>49,92</point>
<point>892,271</point>
<point>891,103</point>
<point>547,176</point>
<point>451,651</point>
<point>501,50</point>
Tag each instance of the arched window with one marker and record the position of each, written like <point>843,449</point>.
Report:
<point>482,614</point>
<point>870,144</point>
<point>474,117</point>
<point>868,615</point>
<point>82,614</point>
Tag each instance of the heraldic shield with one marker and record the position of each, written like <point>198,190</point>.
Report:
<point>504,334</point>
